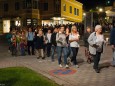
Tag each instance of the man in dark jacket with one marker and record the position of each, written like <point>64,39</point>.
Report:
<point>112,42</point>
<point>53,42</point>
<point>39,45</point>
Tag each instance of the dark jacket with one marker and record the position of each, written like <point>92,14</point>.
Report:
<point>86,36</point>
<point>53,39</point>
<point>39,42</point>
<point>112,37</point>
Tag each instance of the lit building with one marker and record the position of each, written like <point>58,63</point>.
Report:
<point>18,13</point>
<point>110,12</point>
<point>37,12</point>
<point>61,11</point>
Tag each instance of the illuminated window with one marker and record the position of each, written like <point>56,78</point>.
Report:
<point>64,7</point>
<point>76,11</point>
<point>70,9</point>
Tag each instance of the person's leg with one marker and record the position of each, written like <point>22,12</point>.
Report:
<point>59,51</point>
<point>15,50</point>
<point>48,49</point>
<point>32,45</point>
<point>75,51</point>
<point>65,55</point>
<point>53,51</point>
<point>12,50</point>
<point>113,62</point>
<point>28,45</point>
<point>37,53</point>
<point>96,60</point>
<point>42,54</point>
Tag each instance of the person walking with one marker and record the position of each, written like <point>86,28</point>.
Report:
<point>61,46</point>
<point>73,39</point>
<point>48,45</point>
<point>30,41</point>
<point>96,41</point>
<point>39,45</point>
<point>14,45</point>
<point>112,42</point>
<point>86,44</point>
<point>53,43</point>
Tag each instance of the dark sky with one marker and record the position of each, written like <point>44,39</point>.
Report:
<point>89,4</point>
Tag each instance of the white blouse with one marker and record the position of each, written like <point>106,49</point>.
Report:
<point>73,37</point>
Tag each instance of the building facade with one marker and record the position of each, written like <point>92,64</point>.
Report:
<point>61,11</point>
<point>37,12</point>
<point>110,12</point>
<point>18,13</point>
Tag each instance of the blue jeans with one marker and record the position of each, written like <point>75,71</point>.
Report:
<point>113,62</point>
<point>53,52</point>
<point>59,53</point>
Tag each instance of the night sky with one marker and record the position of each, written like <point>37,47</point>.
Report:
<point>92,4</point>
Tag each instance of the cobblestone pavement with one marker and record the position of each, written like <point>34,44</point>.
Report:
<point>85,75</point>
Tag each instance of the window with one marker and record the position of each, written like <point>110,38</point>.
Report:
<point>35,4</point>
<point>17,6</point>
<point>76,11</point>
<point>70,9</point>
<point>27,4</point>
<point>64,7</point>
<point>6,7</point>
<point>24,4</point>
<point>45,6</point>
<point>29,21</point>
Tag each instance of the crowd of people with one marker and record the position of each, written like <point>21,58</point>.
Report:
<point>63,40</point>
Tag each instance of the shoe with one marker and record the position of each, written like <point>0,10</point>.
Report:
<point>60,65</point>
<point>43,57</point>
<point>66,66</point>
<point>77,66</point>
<point>38,57</point>
<point>97,70</point>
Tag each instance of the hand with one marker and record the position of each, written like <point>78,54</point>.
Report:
<point>94,45</point>
<point>113,47</point>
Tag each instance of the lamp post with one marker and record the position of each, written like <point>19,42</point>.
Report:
<point>92,14</point>
<point>84,15</point>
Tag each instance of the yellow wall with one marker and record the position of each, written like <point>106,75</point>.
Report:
<point>71,16</point>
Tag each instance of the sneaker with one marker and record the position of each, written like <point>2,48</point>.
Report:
<point>76,66</point>
<point>67,66</point>
<point>60,65</point>
<point>97,70</point>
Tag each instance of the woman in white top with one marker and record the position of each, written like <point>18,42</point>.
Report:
<point>96,40</point>
<point>73,39</point>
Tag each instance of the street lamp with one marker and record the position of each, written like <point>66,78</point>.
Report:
<point>100,10</point>
<point>84,15</point>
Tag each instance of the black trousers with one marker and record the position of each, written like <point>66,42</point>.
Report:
<point>30,45</point>
<point>75,52</point>
<point>96,60</point>
<point>14,50</point>
<point>49,49</point>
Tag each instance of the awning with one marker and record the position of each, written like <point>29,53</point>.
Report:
<point>110,13</point>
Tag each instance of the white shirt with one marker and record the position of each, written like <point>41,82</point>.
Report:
<point>49,38</point>
<point>99,40</point>
<point>74,43</point>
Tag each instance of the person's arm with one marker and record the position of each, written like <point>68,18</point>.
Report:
<point>90,39</point>
<point>72,40</point>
